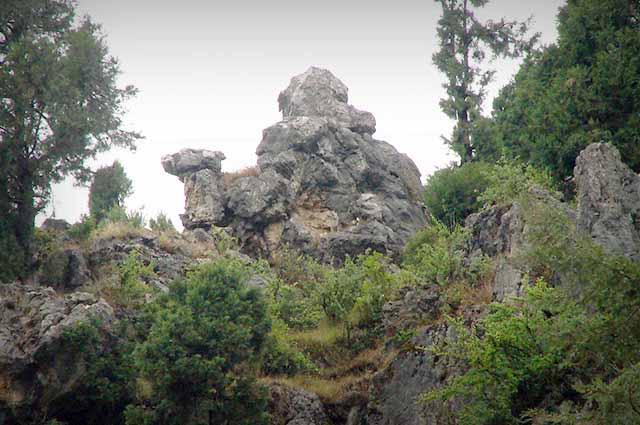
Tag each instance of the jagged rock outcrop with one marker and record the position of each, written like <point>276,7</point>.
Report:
<point>500,232</point>
<point>608,199</point>
<point>324,184</point>
<point>201,173</point>
<point>295,406</point>
<point>36,366</point>
<point>169,259</point>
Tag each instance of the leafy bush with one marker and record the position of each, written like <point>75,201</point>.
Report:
<point>106,386</point>
<point>567,354</point>
<point>204,335</point>
<point>281,356</point>
<point>82,230</point>
<point>133,218</point>
<point>354,294</point>
<point>290,304</point>
<point>509,180</point>
<point>451,194</point>
<point>130,290</point>
<point>436,255</point>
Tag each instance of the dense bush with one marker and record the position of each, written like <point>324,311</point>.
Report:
<point>451,194</point>
<point>354,294</point>
<point>204,336</point>
<point>567,354</point>
<point>436,254</point>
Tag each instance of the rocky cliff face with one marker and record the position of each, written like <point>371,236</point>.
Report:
<point>324,184</point>
<point>608,194</point>
<point>36,366</point>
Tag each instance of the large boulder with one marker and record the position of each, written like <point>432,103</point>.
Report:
<point>324,185</point>
<point>318,93</point>
<point>608,199</point>
<point>36,366</point>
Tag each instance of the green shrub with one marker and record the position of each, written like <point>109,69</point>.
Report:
<point>106,386</point>
<point>162,223</point>
<point>451,194</point>
<point>509,180</point>
<point>563,355</point>
<point>203,338</point>
<point>130,290</point>
<point>133,218</point>
<point>354,294</point>
<point>436,254</point>
<point>82,230</point>
<point>290,304</point>
<point>281,355</point>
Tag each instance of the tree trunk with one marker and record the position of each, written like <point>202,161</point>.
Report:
<point>25,215</point>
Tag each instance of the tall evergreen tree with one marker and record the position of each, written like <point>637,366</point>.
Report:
<point>583,89</point>
<point>59,106</point>
<point>464,45</point>
<point>109,188</point>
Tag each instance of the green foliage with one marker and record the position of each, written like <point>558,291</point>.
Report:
<point>512,358</point>
<point>109,188</point>
<point>281,355</point>
<point>293,305</point>
<point>162,223</point>
<point>464,44</point>
<point>509,180</point>
<point>133,218</point>
<point>583,89</point>
<point>206,331</point>
<point>54,267</point>
<point>354,294</point>
<point>565,355</point>
<point>130,290</point>
<point>61,106</point>
<point>436,255</point>
<point>451,194</point>
<point>107,383</point>
<point>81,231</point>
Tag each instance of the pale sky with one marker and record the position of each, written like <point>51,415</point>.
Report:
<point>209,74</point>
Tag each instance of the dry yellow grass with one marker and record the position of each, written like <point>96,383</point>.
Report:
<point>232,176</point>
<point>117,230</point>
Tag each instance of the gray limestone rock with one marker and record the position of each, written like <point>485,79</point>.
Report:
<point>608,199</point>
<point>36,366</point>
<point>318,93</point>
<point>295,406</point>
<point>324,185</point>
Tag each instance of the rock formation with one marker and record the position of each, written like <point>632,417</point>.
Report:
<point>324,185</point>
<point>36,366</point>
<point>608,199</point>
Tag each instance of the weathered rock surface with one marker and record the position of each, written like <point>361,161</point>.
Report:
<point>168,263</point>
<point>324,185</point>
<point>318,93</point>
<point>36,367</point>
<point>608,199</point>
<point>200,171</point>
<point>295,406</point>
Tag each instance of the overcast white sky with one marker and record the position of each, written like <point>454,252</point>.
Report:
<point>209,74</point>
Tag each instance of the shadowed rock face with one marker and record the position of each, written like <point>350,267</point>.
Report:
<point>36,366</point>
<point>608,199</point>
<point>324,185</point>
